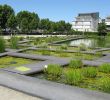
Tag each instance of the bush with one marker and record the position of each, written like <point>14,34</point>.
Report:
<point>64,47</point>
<point>89,72</point>
<point>73,77</point>
<point>105,68</point>
<point>14,42</point>
<point>45,52</point>
<point>104,84</point>
<point>53,71</point>
<point>82,47</point>
<point>75,64</point>
<point>2,45</point>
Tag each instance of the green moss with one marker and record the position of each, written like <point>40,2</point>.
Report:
<point>8,61</point>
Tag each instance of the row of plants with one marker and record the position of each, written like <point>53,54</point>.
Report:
<point>95,78</point>
<point>60,53</point>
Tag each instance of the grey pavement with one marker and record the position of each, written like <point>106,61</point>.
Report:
<point>48,90</point>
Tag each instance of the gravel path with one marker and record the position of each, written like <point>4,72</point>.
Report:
<point>9,94</point>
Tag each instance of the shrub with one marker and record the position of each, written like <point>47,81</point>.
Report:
<point>89,72</point>
<point>75,64</point>
<point>105,68</point>
<point>73,77</point>
<point>104,84</point>
<point>64,47</point>
<point>21,38</point>
<point>53,71</point>
<point>82,47</point>
<point>45,52</point>
<point>14,42</point>
<point>2,45</point>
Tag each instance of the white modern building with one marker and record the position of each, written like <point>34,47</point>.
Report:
<point>86,22</point>
<point>107,22</point>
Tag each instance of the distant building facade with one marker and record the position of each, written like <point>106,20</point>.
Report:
<point>107,22</point>
<point>86,22</point>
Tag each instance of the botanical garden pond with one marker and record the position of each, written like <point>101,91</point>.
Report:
<point>90,42</point>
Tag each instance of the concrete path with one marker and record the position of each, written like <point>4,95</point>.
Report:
<point>48,90</point>
<point>9,94</point>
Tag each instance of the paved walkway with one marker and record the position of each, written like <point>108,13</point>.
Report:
<point>48,90</point>
<point>9,94</point>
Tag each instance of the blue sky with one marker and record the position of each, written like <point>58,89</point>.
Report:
<point>60,9</point>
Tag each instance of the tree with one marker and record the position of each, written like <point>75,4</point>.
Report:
<point>32,20</point>
<point>24,25</point>
<point>12,23</point>
<point>5,12</point>
<point>102,29</point>
<point>45,24</point>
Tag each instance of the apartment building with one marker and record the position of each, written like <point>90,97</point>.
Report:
<point>86,22</point>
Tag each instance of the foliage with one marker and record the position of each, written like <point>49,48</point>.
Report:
<point>64,47</point>
<point>45,52</point>
<point>5,12</point>
<point>102,29</point>
<point>2,45</point>
<point>104,84</point>
<point>53,71</point>
<point>82,47</point>
<point>89,72</point>
<point>12,22</point>
<point>104,68</point>
<point>73,77</point>
<point>14,42</point>
<point>75,64</point>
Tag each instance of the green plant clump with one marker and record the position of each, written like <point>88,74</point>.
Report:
<point>64,47</point>
<point>44,52</point>
<point>53,71</point>
<point>82,47</point>
<point>75,64</point>
<point>104,84</point>
<point>2,45</point>
<point>14,42</point>
<point>89,72</point>
<point>73,77</point>
<point>105,68</point>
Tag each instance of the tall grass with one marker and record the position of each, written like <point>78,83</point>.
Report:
<point>2,44</point>
<point>105,68</point>
<point>73,77</point>
<point>53,71</point>
<point>89,72</point>
<point>76,64</point>
<point>14,42</point>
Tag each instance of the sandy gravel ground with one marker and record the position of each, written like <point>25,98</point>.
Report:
<point>9,94</point>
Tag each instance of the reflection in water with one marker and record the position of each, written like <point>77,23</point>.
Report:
<point>91,42</point>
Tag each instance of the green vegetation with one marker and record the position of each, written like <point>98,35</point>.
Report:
<point>14,42</point>
<point>8,61</point>
<point>2,45</point>
<point>53,71</point>
<point>75,64</point>
<point>104,68</point>
<point>82,47</point>
<point>73,77</point>
<point>64,47</point>
<point>90,72</point>
<point>104,84</point>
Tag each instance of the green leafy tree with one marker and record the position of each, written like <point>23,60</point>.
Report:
<point>5,12</point>
<point>102,29</point>
<point>12,23</point>
<point>31,23</point>
<point>24,25</point>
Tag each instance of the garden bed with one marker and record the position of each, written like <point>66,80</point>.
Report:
<point>76,74</point>
<point>59,53</point>
<point>9,61</point>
